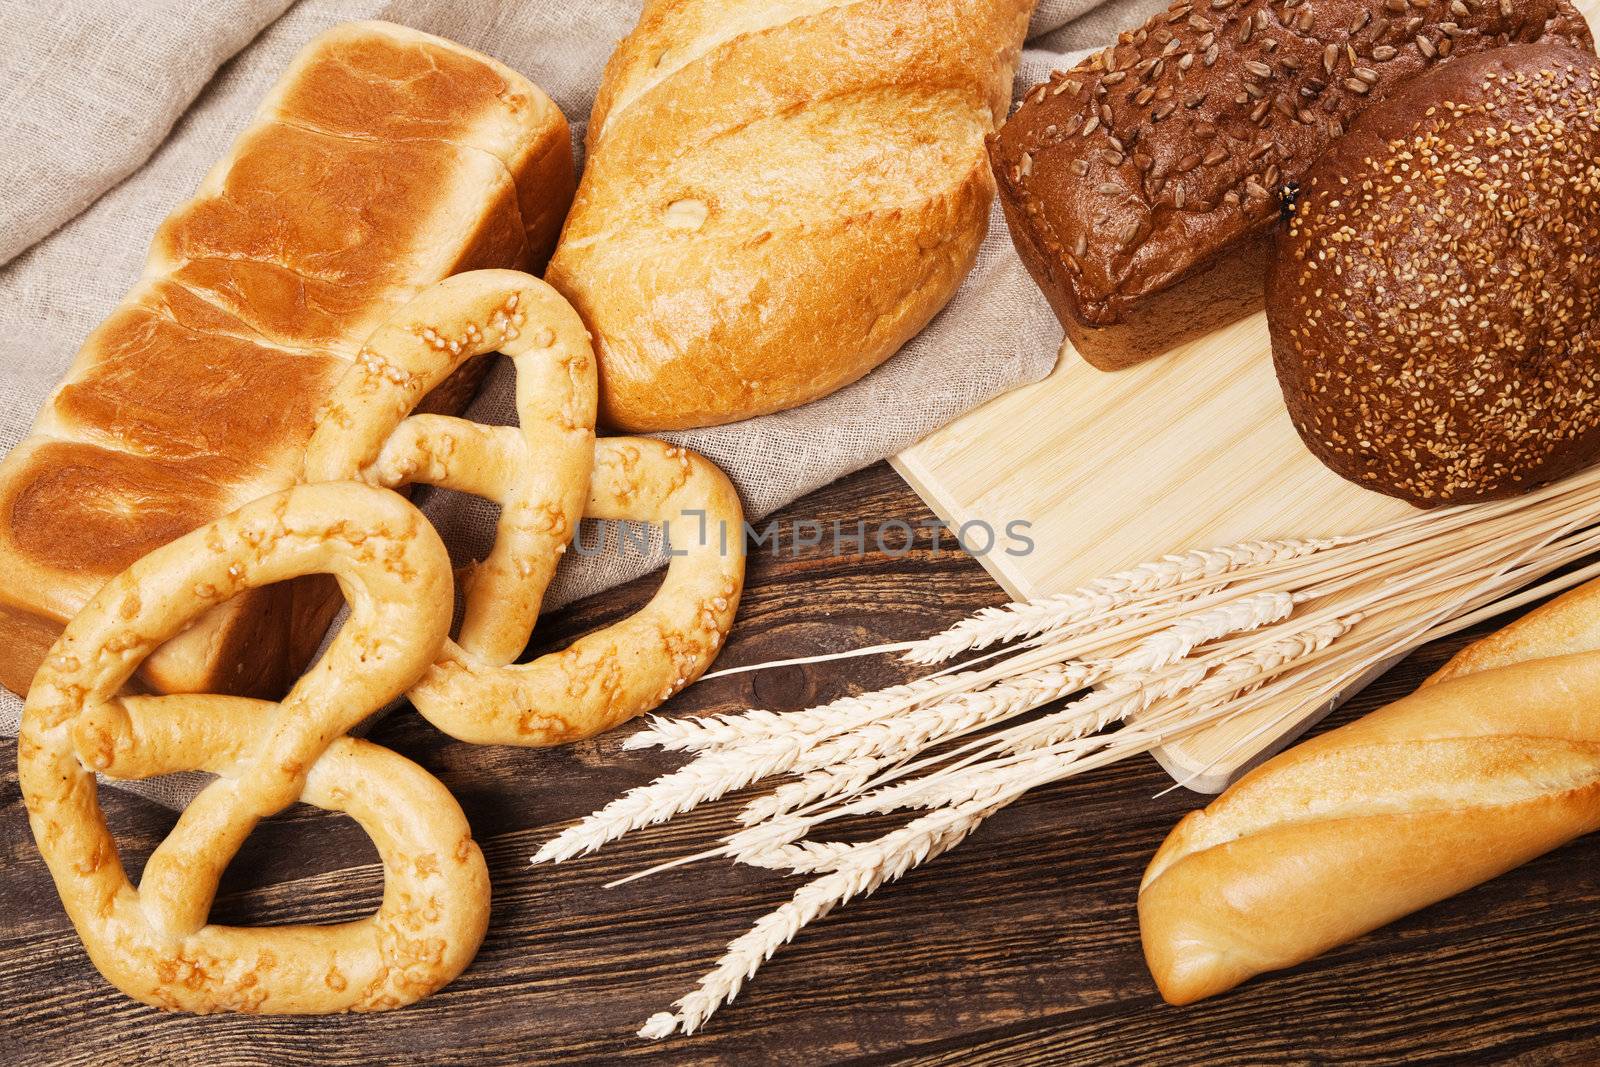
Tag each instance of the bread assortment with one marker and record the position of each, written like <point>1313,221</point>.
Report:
<point>313,316</point>
<point>1431,300</point>
<point>1494,762</point>
<point>1142,186</point>
<point>778,196</point>
<point>385,160</point>
<point>155,942</point>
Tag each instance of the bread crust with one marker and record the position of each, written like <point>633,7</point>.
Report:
<point>779,196</point>
<point>1432,306</point>
<point>1140,168</point>
<point>1493,762</point>
<point>384,160</point>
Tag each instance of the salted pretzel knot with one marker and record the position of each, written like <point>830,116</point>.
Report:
<point>155,943</point>
<point>540,474</point>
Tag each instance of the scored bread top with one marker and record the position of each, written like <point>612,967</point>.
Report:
<point>1474,741</point>
<point>384,160</point>
<point>1141,165</point>
<point>1433,300</point>
<point>778,195</point>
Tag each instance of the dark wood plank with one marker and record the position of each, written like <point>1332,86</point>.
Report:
<point>1019,947</point>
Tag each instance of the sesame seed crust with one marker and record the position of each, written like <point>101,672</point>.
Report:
<point>1432,299</point>
<point>1141,166</point>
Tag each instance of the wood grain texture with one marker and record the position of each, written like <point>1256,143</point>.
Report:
<point>1019,947</point>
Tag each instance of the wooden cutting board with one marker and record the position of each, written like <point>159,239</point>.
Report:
<point>1188,450</point>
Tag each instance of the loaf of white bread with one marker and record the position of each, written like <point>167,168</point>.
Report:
<point>384,160</point>
<point>1494,761</point>
<point>779,195</point>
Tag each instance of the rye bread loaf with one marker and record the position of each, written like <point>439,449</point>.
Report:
<point>1141,187</point>
<point>1433,298</point>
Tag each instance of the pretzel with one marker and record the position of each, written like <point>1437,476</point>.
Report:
<point>540,474</point>
<point>155,943</point>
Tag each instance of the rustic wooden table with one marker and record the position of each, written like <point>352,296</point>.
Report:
<point>1021,946</point>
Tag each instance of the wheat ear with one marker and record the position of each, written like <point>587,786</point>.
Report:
<point>1014,621</point>
<point>862,869</point>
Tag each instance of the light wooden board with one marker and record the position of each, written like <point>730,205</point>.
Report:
<point>1189,450</point>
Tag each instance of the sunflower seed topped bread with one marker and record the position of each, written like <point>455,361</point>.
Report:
<point>1433,298</point>
<point>1141,186</point>
<point>384,160</point>
<point>779,195</point>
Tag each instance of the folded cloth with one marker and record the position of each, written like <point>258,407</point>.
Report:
<point>110,115</point>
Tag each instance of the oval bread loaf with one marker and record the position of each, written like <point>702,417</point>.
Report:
<point>779,195</point>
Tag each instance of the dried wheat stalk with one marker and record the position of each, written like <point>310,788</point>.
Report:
<point>1272,629</point>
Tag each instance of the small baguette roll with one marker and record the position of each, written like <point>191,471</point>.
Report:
<point>1463,780</point>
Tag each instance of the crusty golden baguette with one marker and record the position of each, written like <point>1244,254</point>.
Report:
<point>384,160</point>
<point>1494,762</point>
<point>779,195</point>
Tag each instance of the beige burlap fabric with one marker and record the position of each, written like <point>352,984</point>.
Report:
<point>111,112</point>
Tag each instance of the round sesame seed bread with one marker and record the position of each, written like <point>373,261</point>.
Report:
<point>1432,298</point>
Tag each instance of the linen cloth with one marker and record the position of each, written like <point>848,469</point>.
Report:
<point>112,111</point>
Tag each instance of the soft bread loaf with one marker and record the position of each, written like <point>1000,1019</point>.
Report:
<point>779,195</point>
<point>384,160</point>
<point>1433,299</point>
<point>1141,187</point>
<point>1493,763</point>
